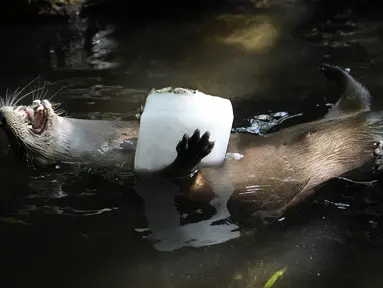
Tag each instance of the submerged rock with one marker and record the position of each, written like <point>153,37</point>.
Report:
<point>53,7</point>
<point>38,10</point>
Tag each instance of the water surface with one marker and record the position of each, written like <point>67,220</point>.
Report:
<point>81,228</point>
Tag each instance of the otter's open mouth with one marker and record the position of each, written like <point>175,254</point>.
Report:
<point>35,115</point>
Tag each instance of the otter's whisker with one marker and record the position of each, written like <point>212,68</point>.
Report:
<point>37,95</point>
<point>42,91</point>
<point>45,94</point>
<point>10,98</point>
<point>29,160</point>
<point>3,101</point>
<point>26,157</point>
<point>55,104</point>
<point>59,111</point>
<point>25,95</point>
<point>15,98</point>
<point>50,98</point>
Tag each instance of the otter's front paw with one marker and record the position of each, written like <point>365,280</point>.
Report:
<point>378,153</point>
<point>190,151</point>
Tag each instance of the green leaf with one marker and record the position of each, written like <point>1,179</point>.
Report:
<point>274,278</point>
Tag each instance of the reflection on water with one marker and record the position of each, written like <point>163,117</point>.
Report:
<point>103,229</point>
<point>165,219</point>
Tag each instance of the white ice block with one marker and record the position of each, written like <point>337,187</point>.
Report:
<point>169,113</point>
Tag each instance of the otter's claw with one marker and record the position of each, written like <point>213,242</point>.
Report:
<point>378,153</point>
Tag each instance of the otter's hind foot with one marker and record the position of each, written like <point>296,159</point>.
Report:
<point>267,217</point>
<point>190,152</point>
<point>378,153</point>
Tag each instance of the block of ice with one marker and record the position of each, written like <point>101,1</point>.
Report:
<point>171,112</point>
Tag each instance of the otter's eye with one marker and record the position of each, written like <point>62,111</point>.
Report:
<point>2,119</point>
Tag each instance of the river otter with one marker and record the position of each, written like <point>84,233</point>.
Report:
<point>276,171</point>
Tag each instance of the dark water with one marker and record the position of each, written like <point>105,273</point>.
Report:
<point>90,229</point>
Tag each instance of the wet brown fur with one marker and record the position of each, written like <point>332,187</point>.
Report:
<point>287,165</point>
<point>283,168</point>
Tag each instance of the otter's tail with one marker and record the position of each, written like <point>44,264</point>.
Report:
<point>354,97</point>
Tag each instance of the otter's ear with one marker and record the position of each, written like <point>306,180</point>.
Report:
<point>354,97</point>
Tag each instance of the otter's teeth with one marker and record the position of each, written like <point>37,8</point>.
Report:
<point>36,102</point>
<point>47,104</point>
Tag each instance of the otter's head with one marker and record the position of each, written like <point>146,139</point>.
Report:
<point>29,130</point>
